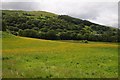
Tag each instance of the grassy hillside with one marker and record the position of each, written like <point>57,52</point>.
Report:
<point>37,58</point>
<point>50,26</point>
<point>32,13</point>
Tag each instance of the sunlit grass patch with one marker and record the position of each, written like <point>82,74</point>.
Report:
<point>37,58</point>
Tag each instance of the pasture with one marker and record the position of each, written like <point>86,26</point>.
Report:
<point>36,58</point>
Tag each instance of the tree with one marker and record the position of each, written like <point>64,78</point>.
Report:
<point>73,36</point>
<point>86,32</point>
<point>24,26</point>
<point>64,36</point>
<point>4,26</point>
<point>80,37</point>
<point>44,29</point>
<point>29,33</point>
<point>42,35</point>
<point>35,28</point>
<point>20,32</point>
<point>11,28</point>
<point>51,35</point>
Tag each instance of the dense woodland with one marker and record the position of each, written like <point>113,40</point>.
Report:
<point>45,25</point>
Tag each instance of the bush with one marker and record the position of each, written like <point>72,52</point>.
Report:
<point>85,41</point>
<point>28,33</point>
<point>51,35</point>
<point>42,35</point>
<point>11,28</point>
<point>14,33</point>
<point>4,26</point>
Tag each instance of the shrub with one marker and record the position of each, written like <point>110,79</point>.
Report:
<point>28,33</point>
<point>85,41</point>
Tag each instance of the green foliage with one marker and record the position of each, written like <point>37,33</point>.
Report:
<point>47,25</point>
<point>42,35</point>
<point>29,33</point>
<point>44,29</point>
<point>4,25</point>
<point>11,28</point>
<point>70,19</point>
<point>51,34</point>
<point>84,41</point>
<point>65,36</point>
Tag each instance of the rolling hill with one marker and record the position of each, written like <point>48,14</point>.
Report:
<point>39,44</point>
<point>50,26</point>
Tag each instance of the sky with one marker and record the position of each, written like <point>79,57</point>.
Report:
<point>102,12</point>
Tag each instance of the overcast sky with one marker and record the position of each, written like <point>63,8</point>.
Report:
<point>105,13</point>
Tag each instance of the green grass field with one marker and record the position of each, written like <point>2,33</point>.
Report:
<point>37,58</point>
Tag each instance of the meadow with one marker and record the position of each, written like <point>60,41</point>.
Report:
<point>37,58</point>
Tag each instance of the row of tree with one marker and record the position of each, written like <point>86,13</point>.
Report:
<point>54,35</point>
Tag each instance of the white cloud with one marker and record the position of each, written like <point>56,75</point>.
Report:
<point>105,13</point>
<point>60,0</point>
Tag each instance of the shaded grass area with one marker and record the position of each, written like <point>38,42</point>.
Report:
<point>36,58</point>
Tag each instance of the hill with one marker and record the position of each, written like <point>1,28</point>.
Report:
<point>36,58</point>
<point>45,25</point>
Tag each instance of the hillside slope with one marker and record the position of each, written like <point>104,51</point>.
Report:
<point>45,25</point>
